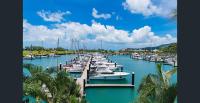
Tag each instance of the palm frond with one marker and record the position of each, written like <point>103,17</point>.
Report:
<point>170,94</point>
<point>169,73</point>
<point>33,89</point>
<point>155,88</point>
<point>160,72</point>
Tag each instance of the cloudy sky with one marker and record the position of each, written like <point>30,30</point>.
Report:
<point>117,23</point>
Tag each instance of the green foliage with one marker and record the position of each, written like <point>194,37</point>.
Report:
<point>34,48</point>
<point>33,89</point>
<point>60,49</point>
<point>62,87</point>
<point>170,49</point>
<point>155,88</point>
<point>33,68</point>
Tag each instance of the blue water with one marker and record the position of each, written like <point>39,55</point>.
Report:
<point>50,61</point>
<point>111,95</point>
<point>32,99</point>
<point>26,72</point>
<point>123,95</point>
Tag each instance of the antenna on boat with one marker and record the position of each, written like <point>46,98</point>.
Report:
<point>84,47</point>
<point>73,45</point>
<point>77,46</point>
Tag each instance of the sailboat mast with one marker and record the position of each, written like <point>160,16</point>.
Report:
<point>78,47</point>
<point>101,47</point>
<point>58,43</point>
<point>42,49</point>
<point>55,50</point>
<point>101,44</point>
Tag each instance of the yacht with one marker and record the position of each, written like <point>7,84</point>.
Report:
<point>106,73</point>
<point>73,68</point>
<point>137,56</point>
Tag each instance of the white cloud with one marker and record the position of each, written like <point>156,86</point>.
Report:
<point>96,15</point>
<point>93,33</point>
<point>145,35</point>
<point>53,16</point>
<point>39,32</point>
<point>148,7</point>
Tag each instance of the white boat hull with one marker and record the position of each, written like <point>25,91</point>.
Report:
<point>116,75</point>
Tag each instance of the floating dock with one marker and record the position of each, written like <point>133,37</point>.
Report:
<point>108,85</point>
<point>80,81</point>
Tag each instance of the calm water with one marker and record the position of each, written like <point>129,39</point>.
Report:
<point>123,95</point>
<point>50,61</point>
<point>111,95</point>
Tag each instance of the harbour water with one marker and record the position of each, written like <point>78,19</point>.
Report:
<point>50,61</point>
<point>111,95</point>
<point>123,95</point>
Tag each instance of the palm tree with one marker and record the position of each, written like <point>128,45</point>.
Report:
<point>62,88</point>
<point>156,88</point>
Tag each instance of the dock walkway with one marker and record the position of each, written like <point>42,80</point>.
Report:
<point>108,85</point>
<point>80,81</point>
<point>83,84</point>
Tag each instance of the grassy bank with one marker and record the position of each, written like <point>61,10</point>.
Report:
<point>45,52</point>
<point>62,52</point>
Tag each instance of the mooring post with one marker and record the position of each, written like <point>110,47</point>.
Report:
<point>122,69</point>
<point>60,66</point>
<point>89,66</point>
<point>66,62</point>
<point>133,77</point>
<point>115,64</point>
<point>31,57</point>
<point>174,63</point>
<point>87,74</point>
<point>83,86</point>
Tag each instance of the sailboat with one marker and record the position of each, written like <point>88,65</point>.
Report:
<point>77,64</point>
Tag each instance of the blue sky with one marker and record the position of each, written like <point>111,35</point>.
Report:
<point>119,24</point>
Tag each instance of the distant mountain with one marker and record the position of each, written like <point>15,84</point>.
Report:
<point>152,48</point>
<point>159,47</point>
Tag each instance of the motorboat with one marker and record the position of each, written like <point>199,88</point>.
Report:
<point>106,73</point>
<point>73,68</point>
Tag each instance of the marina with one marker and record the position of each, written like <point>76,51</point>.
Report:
<point>154,57</point>
<point>107,87</point>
